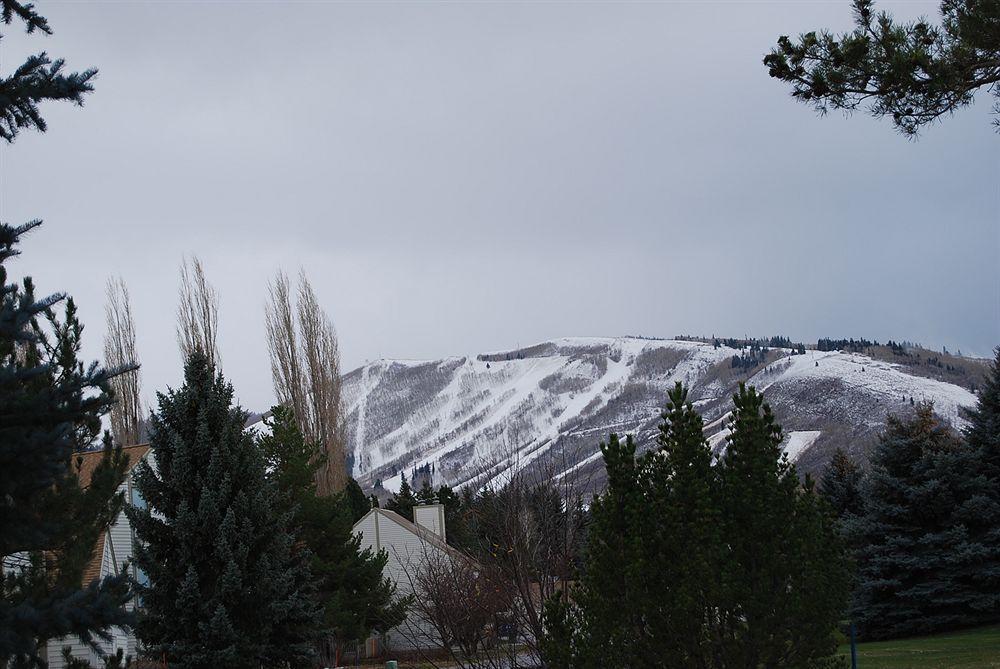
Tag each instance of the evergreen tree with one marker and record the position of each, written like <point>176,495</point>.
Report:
<point>914,73</point>
<point>983,433</point>
<point>38,79</point>
<point>356,598</point>
<point>403,501</point>
<point>784,577</point>
<point>426,494</point>
<point>736,565</point>
<point>980,512</point>
<point>611,616</point>
<point>683,544</point>
<point>50,406</point>
<point>905,541</point>
<point>455,518</point>
<point>227,585</point>
<point>841,485</point>
<point>357,500</point>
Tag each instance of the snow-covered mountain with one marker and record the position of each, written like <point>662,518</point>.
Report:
<point>548,406</point>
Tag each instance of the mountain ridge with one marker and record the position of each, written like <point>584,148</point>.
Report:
<point>545,407</point>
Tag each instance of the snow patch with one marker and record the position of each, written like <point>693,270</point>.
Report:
<point>797,441</point>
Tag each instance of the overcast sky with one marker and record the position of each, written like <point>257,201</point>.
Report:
<point>457,178</point>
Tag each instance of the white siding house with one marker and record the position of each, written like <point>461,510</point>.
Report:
<point>112,551</point>
<point>407,544</point>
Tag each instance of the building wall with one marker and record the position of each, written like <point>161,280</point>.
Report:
<point>405,550</point>
<point>118,550</point>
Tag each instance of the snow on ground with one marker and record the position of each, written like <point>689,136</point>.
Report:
<point>502,418</point>
<point>796,442</point>
<point>874,377</point>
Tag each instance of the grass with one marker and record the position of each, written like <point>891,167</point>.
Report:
<point>970,649</point>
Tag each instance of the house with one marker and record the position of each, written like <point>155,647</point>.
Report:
<point>408,545</point>
<point>112,550</point>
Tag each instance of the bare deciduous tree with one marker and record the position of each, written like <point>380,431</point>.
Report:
<point>460,608</point>
<point>197,313</point>
<point>305,368</point>
<point>119,353</point>
<point>532,527</point>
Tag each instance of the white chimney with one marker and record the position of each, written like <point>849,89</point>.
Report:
<point>430,517</point>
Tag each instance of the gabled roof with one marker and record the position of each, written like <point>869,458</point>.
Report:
<point>84,465</point>
<point>93,569</point>
<point>86,462</point>
<point>415,529</point>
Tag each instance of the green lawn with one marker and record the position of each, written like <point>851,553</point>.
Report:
<point>972,649</point>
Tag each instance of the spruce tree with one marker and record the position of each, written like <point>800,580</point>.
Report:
<point>355,597</point>
<point>983,432</point>
<point>38,79</point>
<point>980,511</point>
<point>51,405</point>
<point>904,542</point>
<point>227,585</point>
<point>841,485</point>
<point>784,576</point>
<point>426,494</point>
<point>403,501</point>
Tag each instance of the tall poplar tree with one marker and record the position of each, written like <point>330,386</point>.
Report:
<point>227,586</point>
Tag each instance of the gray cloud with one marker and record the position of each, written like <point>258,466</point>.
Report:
<point>460,177</point>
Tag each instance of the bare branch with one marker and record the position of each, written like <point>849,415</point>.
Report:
<point>305,369</point>
<point>197,313</point>
<point>120,353</point>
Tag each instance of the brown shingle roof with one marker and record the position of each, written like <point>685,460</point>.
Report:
<point>86,462</point>
<point>84,465</point>
<point>93,569</point>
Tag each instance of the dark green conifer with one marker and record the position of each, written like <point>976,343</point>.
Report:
<point>689,564</point>
<point>38,79</point>
<point>611,619</point>
<point>784,576</point>
<point>904,541</point>
<point>51,405</point>
<point>403,501</point>
<point>841,485</point>
<point>357,500</point>
<point>913,72</point>
<point>356,599</point>
<point>980,510</point>
<point>227,584</point>
<point>426,494</point>
<point>682,541</point>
